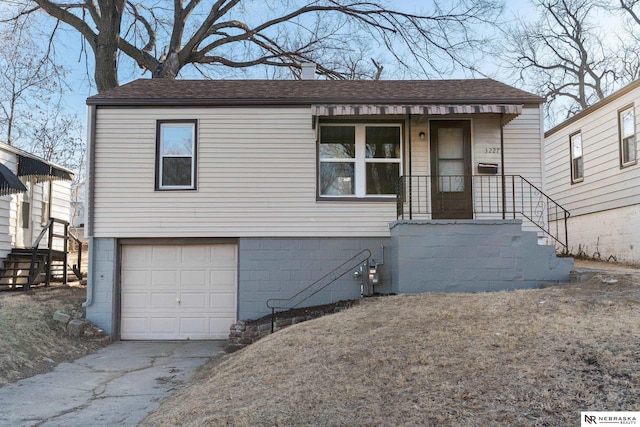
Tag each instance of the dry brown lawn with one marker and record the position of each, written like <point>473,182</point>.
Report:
<point>30,341</point>
<point>535,358</point>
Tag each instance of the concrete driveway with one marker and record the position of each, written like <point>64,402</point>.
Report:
<point>116,386</point>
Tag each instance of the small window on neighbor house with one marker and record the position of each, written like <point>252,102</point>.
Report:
<point>25,214</point>
<point>627,127</point>
<point>44,215</point>
<point>176,155</point>
<point>577,166</point>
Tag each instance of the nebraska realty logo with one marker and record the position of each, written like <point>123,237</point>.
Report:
<point>610,418</point>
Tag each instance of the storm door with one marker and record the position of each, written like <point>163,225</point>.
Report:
<point>451,193</point>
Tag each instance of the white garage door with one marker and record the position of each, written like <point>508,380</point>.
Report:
<point>178,291</point>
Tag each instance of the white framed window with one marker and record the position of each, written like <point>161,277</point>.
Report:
<point>176,155</point>
<point>359,160</point>
<point>577,164</point>
<point>627,132</point>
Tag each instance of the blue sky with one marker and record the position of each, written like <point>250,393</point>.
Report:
<point>70,49</point>
<point>81,73</point>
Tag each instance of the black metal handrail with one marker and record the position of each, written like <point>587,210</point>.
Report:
<point>306,293</point>
<point>509,196</point>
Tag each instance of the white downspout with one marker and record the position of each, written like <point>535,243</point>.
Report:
<point>88,212</point>
<point>89,300</point>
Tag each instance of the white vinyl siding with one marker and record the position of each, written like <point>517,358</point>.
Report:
<point>7,213</point>
<point>257,174</point>
<point>522,140</point>
<point>256,177</point>
<point>522,156</point>
<point>523,146</point>
<point>60,205</point>
<point>60,209</point>
<point>606,186</point>
<point>10,235</point>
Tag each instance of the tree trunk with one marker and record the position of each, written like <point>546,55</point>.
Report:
<point>167,68</point>
<point>106,51</point>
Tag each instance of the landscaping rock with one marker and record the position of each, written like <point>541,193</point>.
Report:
<point>246,332</point>
<point>62,317</point>
<point>76,327</point>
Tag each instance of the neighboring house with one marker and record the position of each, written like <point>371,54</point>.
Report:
<point>206,199</point>
<point>32,190</point>
<point>78,214</point>
<point>591,168</point>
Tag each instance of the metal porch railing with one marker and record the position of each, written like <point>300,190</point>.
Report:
<point>482,196</point>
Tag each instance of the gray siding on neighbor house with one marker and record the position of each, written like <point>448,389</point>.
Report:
<point>606,185</point>
<point>280,267</point>
<point>605,218</point>
<point>470,256</point>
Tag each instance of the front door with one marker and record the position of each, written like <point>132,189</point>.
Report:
<point>451,195</point>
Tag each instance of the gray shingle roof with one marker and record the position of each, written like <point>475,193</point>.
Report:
<point>306,92</point>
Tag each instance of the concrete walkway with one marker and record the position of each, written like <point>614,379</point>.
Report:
<point>117,386</point>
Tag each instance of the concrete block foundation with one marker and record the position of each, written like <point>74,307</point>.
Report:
<point>470,256</point>
<point>419,256</point>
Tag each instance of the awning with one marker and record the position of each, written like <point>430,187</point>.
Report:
<point>28,166</point>
<point>510,111</point>
<point>9,182</point>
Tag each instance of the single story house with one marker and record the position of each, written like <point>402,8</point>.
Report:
<point>32,191</point>
<point>215,201</point>
<point>591,168</point>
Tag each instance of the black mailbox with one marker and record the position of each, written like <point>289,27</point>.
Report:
<point>489,168</point>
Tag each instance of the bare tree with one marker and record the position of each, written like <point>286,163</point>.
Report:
<point>32,114</point>
<point>29,78</point>
<point>632,9</point>
<point>563,53</point>
<point>163,38</point>
<point>629,39</point>
<point>56,136</point>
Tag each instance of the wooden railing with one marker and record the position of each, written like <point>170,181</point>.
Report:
<point>36,266</point>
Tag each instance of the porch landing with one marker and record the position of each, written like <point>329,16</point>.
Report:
<point>471,256</point>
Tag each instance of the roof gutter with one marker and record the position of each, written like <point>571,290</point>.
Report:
<point>123,102</point>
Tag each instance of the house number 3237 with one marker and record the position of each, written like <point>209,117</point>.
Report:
<point>492,150</point>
